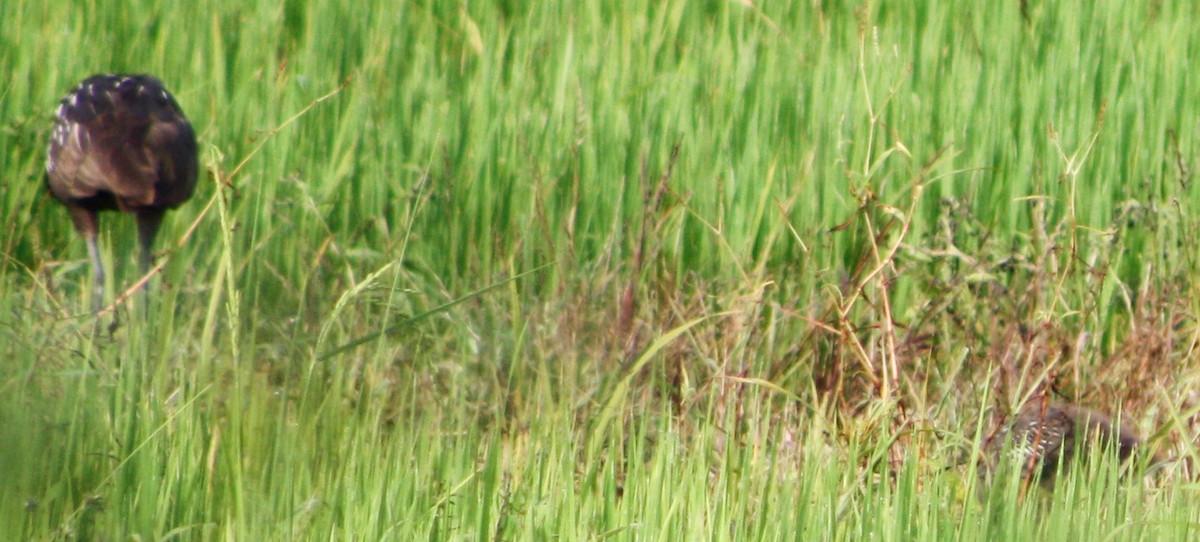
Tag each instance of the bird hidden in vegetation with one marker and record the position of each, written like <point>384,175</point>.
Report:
<point>1044,438</point>
<point>120,142</point>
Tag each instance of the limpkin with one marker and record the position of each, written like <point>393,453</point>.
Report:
<point>120,142</point>
<point>1044,438</point>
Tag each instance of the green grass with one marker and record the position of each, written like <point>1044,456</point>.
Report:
<point>608,270</point>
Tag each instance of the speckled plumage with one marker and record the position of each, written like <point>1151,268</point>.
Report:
<point>120,142</point>
<point>1041,438</point>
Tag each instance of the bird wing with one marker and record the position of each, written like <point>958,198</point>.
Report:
<point>136,146</point>
<point>112,158</point>
<point>171,146</point>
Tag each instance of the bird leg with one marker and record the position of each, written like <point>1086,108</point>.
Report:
<point>148,221</point>
<point>97,273</point>
<point>87,225</point>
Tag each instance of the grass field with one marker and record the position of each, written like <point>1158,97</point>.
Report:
<point>592,270</point>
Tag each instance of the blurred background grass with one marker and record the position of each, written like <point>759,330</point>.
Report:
<point>753,241</point>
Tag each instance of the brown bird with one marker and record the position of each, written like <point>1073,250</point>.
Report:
<point>1043,437</point>
<point>120,142</point>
